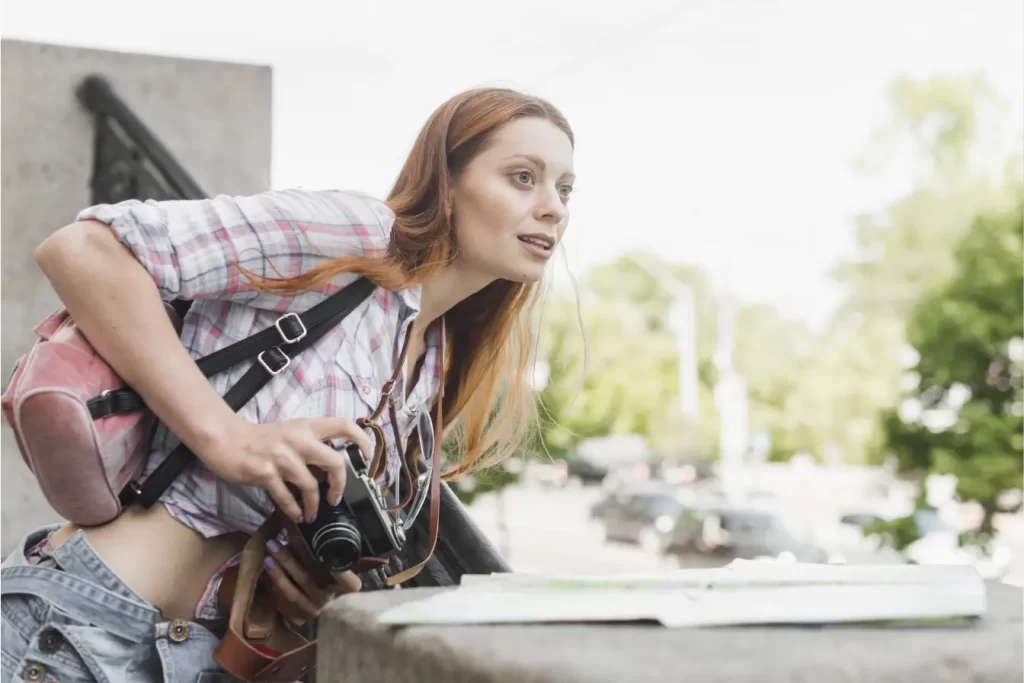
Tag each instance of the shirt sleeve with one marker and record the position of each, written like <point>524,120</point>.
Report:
<point>192,248</point>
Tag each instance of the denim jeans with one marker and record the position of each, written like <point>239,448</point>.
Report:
<point>70,618</point>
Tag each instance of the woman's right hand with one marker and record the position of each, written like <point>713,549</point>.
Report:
<point>276,454</point>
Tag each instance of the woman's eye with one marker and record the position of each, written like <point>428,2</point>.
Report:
<point>565,190</point>
<point>524,177</point>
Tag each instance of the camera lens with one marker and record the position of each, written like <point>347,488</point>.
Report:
<point>338,543</point>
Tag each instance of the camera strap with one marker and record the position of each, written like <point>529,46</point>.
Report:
<point>435,478</point>
<point>378,462</point>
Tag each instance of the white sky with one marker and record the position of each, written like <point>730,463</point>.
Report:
<point>720,133</point>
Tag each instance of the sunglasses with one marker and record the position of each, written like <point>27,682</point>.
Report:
<point>413,495</point>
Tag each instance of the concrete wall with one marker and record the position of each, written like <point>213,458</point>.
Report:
<point>215,117</point>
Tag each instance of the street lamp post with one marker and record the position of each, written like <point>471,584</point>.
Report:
<point>730,391</point>
<point>731,403</point>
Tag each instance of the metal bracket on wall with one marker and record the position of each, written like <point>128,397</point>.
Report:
<point>129,161</point>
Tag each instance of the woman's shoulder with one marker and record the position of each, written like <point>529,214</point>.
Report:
<point>336,211</point>
<point>337,204</point>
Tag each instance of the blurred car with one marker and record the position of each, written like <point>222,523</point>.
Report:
<point>585,471</point>
<point>678,471</point>
<point>635,514</point>
<point>938,543</point>
<point>626,476</point>
<point>554,473</point>
<point>714,534</point>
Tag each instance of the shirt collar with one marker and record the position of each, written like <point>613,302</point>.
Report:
<point>411,298</point>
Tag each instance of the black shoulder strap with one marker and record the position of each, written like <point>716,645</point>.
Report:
<point>289,329</point>
<point>273,349</point>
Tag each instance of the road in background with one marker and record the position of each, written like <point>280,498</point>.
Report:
<point>549,529</point>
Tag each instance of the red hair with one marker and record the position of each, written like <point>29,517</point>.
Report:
<point>489,334</point>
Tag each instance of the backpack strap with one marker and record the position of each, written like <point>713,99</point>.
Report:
<point>273,348</point>
<point>286,331</point>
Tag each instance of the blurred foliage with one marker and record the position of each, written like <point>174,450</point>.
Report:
<point>630,382</point>
<point>947,129</point>
<point>946,124</point>
<point>469,488</point>
<point>840,388</point>
<point>899,533</point>
<point>964,415</point>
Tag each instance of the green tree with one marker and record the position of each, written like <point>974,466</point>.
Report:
<point>940,128</point>
<point>940,123</point>
<point>632,381</point>
<point>630,307</point>
<point>964,416</point>
<point>960,169</point>
<point>840,388</point>
<point>771,354</point>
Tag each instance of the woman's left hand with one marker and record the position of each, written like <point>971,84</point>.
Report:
<point>296,596</point>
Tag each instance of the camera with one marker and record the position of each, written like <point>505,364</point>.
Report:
<point>359,526</point>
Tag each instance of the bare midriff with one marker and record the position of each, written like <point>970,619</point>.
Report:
<point>163,561</point>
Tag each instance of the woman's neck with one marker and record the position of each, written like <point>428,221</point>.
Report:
<point>451,286</point>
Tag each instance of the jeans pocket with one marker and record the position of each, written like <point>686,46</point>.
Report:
<point>82,649</point>
<point>33,647</point>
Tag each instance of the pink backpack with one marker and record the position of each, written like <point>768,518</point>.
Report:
<point>86,436</point>
<point>81,463</point>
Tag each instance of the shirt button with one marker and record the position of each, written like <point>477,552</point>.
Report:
<point>179,630</point>
<point>34,672</point>
<point>50,642</point>
<point>366,389</point>
<point>413,410</point>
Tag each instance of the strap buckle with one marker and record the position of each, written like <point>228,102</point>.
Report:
<point>274,360</point>
<point>288,317</point>
<point>129,493</point>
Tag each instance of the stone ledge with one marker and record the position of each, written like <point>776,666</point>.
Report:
<point>366,652</point>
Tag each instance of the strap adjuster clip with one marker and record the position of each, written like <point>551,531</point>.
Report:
<point>284,335</point>
<point>274,360</point>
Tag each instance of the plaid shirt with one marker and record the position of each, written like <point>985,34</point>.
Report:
<point>190,248</point>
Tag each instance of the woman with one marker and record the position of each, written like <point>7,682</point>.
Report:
<point>456,250</point>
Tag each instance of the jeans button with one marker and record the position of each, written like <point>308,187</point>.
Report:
<point>179,630</point>
<point>50,642</point>
<point>34,672</point>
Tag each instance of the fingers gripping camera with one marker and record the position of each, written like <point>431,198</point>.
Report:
<point>356,528</point>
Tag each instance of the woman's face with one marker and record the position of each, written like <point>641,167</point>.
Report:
<point>510,203</point>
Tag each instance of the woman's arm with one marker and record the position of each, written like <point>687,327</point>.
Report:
<point>196,249</point>
<point>117,305</point>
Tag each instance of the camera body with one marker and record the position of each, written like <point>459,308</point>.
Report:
<point>360,526</point>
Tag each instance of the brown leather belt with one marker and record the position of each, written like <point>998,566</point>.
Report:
<point>259,645</point>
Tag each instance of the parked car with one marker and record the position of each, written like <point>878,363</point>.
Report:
<point>634,514</point>
<point>584,470</point>
<point>714,534</point>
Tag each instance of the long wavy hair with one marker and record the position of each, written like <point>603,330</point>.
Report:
<point>489,334</point>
